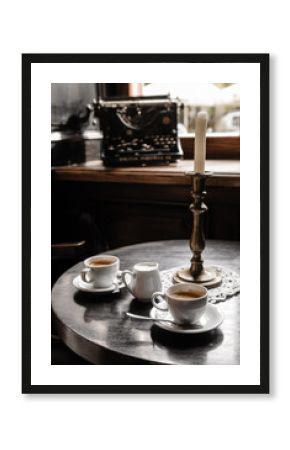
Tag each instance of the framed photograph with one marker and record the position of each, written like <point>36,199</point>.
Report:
<point>145,223</point>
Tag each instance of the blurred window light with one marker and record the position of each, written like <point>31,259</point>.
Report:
<point>220,100</point>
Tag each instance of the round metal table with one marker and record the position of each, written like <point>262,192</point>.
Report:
<point>94,327</point>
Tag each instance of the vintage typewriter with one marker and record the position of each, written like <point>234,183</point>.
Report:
<point>139,130</point>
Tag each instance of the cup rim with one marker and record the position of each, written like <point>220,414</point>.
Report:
<point>190,285</point>
<point>87,261</point>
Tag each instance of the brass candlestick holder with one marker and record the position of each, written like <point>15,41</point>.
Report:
<point>197,273</point>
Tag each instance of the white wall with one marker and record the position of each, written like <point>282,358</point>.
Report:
<point>80,422</point>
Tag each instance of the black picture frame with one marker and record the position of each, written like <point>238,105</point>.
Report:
<point>263,61</point>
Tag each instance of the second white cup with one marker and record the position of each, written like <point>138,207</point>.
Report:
<point>185,301</point>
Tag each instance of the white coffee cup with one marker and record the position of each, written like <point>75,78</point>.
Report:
<point>100,271</point>
<point>185,301</point>
<point>143,281</point>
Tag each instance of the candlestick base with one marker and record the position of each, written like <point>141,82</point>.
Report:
<point>208,277</point>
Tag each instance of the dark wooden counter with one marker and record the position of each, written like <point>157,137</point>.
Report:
<point>138,204</point>
<point>226,173</point>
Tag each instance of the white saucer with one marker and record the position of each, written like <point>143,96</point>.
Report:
<point>211,319</point>
<point>88,287</point>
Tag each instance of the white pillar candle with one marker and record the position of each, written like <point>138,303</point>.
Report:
<point>200,142</point>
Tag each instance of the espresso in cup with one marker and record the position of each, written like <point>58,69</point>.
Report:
<point>185,301</point>
<point>100,271</point>
<point>188,295</point>
<point>101,262</point>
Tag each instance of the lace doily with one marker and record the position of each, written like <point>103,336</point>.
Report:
<point>229,287</point>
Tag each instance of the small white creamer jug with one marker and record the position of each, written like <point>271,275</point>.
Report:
<point>143,281</point>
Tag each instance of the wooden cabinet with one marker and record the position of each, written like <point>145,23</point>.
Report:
<point>132,205</point>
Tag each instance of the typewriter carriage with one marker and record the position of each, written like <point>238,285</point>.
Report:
<point>139,130</point>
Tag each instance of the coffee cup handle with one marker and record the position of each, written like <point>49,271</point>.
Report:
<point>123,276</point>
<point>156,303</point>
<point>83,274</point>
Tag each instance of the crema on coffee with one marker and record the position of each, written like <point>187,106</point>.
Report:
<point>101,262</point>
<point>185,295</point>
